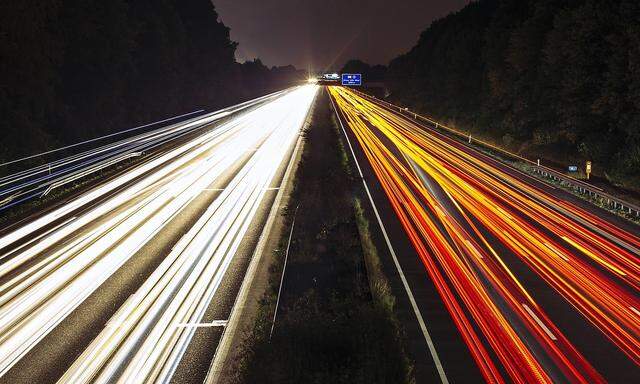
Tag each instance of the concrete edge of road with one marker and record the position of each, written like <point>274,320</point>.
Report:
<point>405,284</point>
<point>244,310</point>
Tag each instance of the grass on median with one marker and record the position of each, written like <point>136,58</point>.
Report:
<point>335,323</point>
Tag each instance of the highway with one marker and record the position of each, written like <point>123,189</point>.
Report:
<point>114,284</point>
<point>38,181</point>
<point>507,278</point>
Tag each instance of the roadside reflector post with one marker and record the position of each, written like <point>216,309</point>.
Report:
<point>469,138</point>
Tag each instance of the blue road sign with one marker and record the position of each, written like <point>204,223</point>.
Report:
<point>573,168</point>
<point>351,79</point>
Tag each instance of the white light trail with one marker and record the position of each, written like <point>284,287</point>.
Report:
<point>43,281</point>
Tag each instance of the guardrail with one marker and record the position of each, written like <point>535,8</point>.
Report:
<point>39,181</point>
<point>580,186</point>
<point>89,171</point>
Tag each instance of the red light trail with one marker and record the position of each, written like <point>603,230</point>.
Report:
<point>454,203</point>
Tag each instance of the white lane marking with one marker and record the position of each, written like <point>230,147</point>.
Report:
<point>214,323</point>
<point>414,305</point>
<point>224,346</point>
<point>540,323</point>
<point>284,268</point>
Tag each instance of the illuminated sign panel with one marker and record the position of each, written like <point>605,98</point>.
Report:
<point>351,79</point>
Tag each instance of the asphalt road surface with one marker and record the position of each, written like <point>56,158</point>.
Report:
<point>506,278</point>
<point>133,280</point>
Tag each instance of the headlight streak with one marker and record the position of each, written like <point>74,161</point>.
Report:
<point>601,283</point>
<point>148,343</point>
<point>23,185</point>
<point>44,280</point>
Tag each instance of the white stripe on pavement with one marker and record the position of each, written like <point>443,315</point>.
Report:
<point>414,305</point>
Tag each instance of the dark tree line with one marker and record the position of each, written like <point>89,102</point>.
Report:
<point>557,77</point>
<point>370,73</point>
<point>74,69</point>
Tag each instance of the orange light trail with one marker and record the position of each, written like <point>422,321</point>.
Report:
<point>588,261</point>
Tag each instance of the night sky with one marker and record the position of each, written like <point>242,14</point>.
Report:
<point>323,34</point>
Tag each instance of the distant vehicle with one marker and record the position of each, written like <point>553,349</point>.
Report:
<point>329,78</point>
